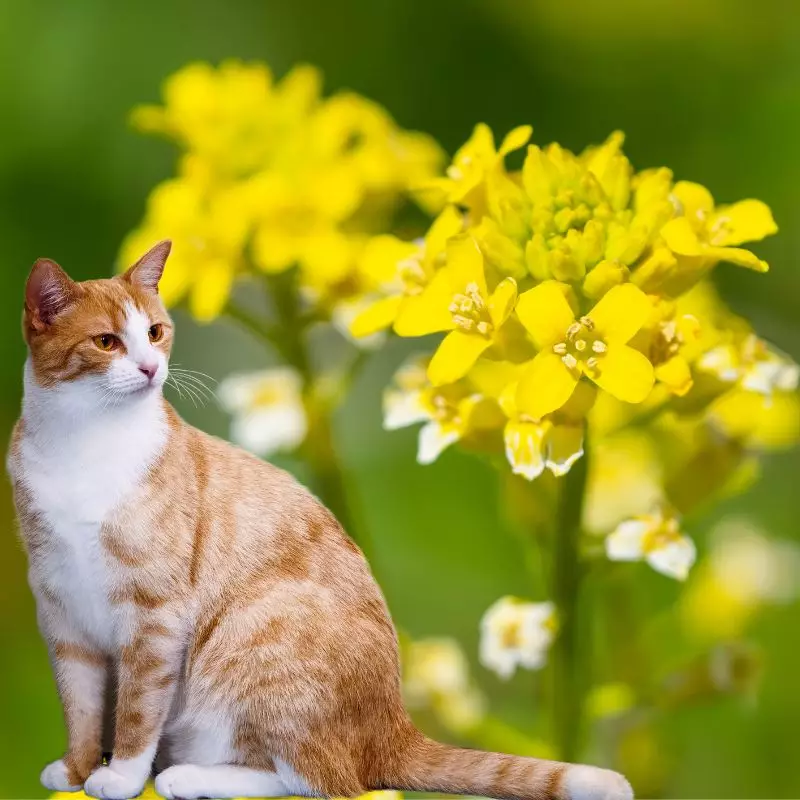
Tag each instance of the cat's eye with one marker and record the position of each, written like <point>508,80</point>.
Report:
<point>106,341</point>
<point>156,332</point>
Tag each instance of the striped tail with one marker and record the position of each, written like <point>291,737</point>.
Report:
<point>429,766</point>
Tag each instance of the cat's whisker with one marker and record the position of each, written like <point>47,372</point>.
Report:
<point>195,380</point>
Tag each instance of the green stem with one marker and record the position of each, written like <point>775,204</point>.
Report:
<point>567,577</point>
<point>289,337</point>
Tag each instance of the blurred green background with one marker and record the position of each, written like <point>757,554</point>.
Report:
<point>710,88</point>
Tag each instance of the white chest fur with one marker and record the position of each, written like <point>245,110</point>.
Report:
<point>78,469</point>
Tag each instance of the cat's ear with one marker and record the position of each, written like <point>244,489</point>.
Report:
<point>147,271</point>
<point>48,292</point>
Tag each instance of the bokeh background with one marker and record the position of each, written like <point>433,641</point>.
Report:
<point>708,87</point>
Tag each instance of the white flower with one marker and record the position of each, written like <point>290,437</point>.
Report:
<point>754,365</point>
<point>436,675</point>
<point>655,539</point>
<point>516,633</point>
<point>447,411</point>
<point>267,409</point>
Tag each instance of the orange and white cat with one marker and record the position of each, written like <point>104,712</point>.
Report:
<point>251,650</point>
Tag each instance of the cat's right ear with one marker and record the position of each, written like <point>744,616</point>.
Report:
<point>48,292</point>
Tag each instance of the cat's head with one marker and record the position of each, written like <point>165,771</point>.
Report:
<point>109,338</point>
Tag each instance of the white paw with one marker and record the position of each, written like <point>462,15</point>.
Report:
<point>55,778</point>
<point>592,783</point>
<point>182,781</point>
<point>107,784</point>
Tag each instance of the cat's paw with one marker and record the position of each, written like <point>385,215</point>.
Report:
<point>592,783</point>
<point>182,780</point>
<point>108,784</point>
<point>56,778</point>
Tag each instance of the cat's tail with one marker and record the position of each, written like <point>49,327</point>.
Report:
<point>429,766</point>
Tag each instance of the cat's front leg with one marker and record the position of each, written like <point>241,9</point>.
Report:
<point>81,673</point>
<point>146,679</point>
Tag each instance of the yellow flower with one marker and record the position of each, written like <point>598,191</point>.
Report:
<point>515,633</point>
<point>654,538</point>
<point>403,270</point>
<point>208,226</point>
<point>475,161</point>
<point>745,571</point>
<point>449,412</point>
<point>458,300</point>
<point>531,446</point>
<point>595,346</point>
<point>436,675</point>
<point>703,235</point>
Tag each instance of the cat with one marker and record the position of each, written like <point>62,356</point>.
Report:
<point>251,651</point>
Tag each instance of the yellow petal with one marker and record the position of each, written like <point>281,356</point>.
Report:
<point>545,313</point>
<point>502,300</point>
<point>491,378</point>
<point>377,317</point>
<point>515,139</point>
<point>621,312</point>
<point>746,221</point>
<point>625,373</point>
<point>676,374</point>
<point>545,386</point>
<point>427,312</point>
<point>681,238</point>
<point>524,445</point>
<point>738,256</point>
<point>457,353</point>
<point>447,224</point>
<point>465,264</point>
<point>211,290</point>
<point>696,201</point>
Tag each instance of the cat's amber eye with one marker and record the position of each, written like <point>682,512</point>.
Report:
<point>106,341</point>
<point>156,332</point>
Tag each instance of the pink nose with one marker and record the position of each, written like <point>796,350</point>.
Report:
<point>149,370</point>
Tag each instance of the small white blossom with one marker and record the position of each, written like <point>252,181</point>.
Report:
<point>515,634</point>
<point>655,539</point>
<point>267,409</point>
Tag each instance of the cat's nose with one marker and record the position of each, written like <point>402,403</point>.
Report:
<point>149,370</point>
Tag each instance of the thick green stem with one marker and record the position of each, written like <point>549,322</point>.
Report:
<point>569,652</point>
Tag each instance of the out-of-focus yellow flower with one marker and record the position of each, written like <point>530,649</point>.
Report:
<point>625,474</point>
<point>745,570</point>
<point>610,700</point>
<point>436,675</point>
<point>403,270</point>
<point>595,346</point>
<point>148,793</point>
<point>515,633</point>
<point>449,412</point>
<point>208,229</point>
<point>655,538</point>
<point>267,408</point>
<point>458,300</point>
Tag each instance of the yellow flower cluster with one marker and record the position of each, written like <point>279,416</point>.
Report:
<point>576,290</point>
<point>273,175</point>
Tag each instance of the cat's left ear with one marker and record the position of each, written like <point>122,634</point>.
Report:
<point>147,271</point>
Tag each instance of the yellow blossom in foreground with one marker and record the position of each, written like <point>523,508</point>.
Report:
<point>267,408</point>
<point>656,539</point>
<point>403,270</point>
<point>515,633</point>
<point>458,300</point>
<point>595,346</point>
